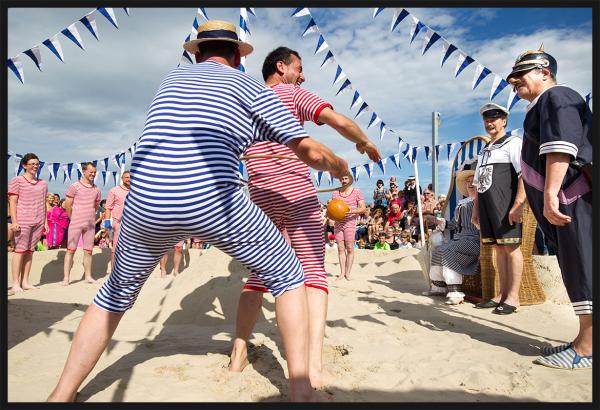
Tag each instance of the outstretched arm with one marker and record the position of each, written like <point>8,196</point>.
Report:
<point>318,156</point>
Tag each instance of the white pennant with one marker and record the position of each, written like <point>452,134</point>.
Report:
<point>92,23</point>
<point>459,61</point>
<point>495,84</point>
<point>445,46</point>
<point>19,65</point>
<point>511,97</point>
<point>78,165</point>
<point>375,122</point>
<point>359,100</point>
<point>73,30</point>
<point>413,26</point>
<point>38,55</point>
<point>301,13</point>
<point>341,77</point>
<point>202,13</point>
<point>56,43</point>
<point>478,71</point>
<point>426,39</point>
<point>51,171</point>
<point>65,169</point>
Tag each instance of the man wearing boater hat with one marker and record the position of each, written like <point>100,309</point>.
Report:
<point>556,159</point>
<point>283,189</point>
<point>186,184</point>
<point>499,205</point>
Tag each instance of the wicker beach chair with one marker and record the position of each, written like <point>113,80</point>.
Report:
<point>486,284</point>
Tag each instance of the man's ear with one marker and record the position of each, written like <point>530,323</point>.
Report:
<point>280,67</point>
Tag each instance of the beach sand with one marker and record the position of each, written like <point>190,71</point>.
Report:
<point>384,341</point>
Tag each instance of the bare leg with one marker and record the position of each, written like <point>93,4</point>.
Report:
<point>514,259</point>
<point>177,261</point>
<point>87,267</point>
<point>349,258</point>
<point>292,321</point>
<point>247,314</point>
<point>91,338</point>
<point>68,264</point>
<point>502,267</point>
<point>163,265</point>
<point>17,261</point>
<point>27,258</point>
<point>317,315</point>
<point>342,256</point>
<point>583,342</point>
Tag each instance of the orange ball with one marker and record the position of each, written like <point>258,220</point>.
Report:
<point>337,209</point>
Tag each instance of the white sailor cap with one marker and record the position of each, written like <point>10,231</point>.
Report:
<point>493,110</point>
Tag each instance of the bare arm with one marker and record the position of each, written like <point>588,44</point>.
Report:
<point>350,130</point>
<point>69,205</point>
<point>13,213</point>
<point>515,215</point>
<point>557,164</point>
<point>318,156</point>
<point>361,208</point>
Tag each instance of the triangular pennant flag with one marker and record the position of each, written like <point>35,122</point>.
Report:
<point>321,45</point>
<point>69,170</point>
<point>398,18</point>
<point>95,162</point>
<point>400,143</point>
<point>90,23</point>
<point>35,55</point>
<point>356,99</point>
<point>369,168</point>
<point>415,27</point>
<point>448,50</point>
<point>114,174</point>
<point>18,166</point>
<point>251,11</point>
<point>40,168</point>
<point>244,24</point>
<point>437,152</point>
<point>104,178</point>
<point>72,34</point>
<point>382,129</point>
<point>105,161</point>
<point>588,98</point>
<point>377,10</point>
<point>54,45</point>
<point>109,14</point>
<point>339,75</point>
<point>79,173</point>
<point>450,147</point>
<point>396,160</point>
<point>427,150</point>
<point>126,10</point>
<point>480,73</point>
<point>319,175</point>
<point>300,11</point>
<point>415,151</point>
<point>330,178</point>
<point>10,154</point>
<point>51,174</point>
<point>347,85</point>
<point>381,165</point>
<point>513,98</point>
<point>429,39</point>
<point>462,62</point>
<point>311,28</point>
<point>328,59</point>
<point>373,121</point>
<point>202,13</point>
<point>16,65</point>
<point>355,173</point>
<point>55,168</point>
<point>363,108</point>
<point>195,23</point>
<point>185,58</point>
<point>406,151</point>
<point>497,86</point>
<point>79,167</point>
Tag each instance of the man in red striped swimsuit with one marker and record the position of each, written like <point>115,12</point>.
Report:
<point>284,191</point>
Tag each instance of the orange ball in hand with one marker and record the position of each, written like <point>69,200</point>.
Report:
<point>337,209</point>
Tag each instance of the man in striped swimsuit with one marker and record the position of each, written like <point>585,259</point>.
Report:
<point>115,203</point>
<point>186,184</point>
<point>284,191</point>
<point>81,204</point>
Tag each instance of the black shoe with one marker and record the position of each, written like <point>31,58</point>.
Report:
<point>504,309</point>
<point>486,305</point>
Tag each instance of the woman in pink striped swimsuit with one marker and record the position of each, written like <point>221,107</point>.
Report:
<point>345,230</point>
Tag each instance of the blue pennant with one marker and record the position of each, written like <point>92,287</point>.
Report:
<point>451,49</point>
<point>319,43</point>
<point>500,87</point>
<point>71,37</point>
<point>377,11</point>
<point>88,25</point>
<point>418,28</point>
<point>345,85</point>
<point>484,73</point>
<point>328,57</point>
<point>34,58</point>
<point>468,60</point>
<point>434,37</point>
<point>15,70</point>
<point>49,44</point>
<point>400,17</point>
<point>105,13</point>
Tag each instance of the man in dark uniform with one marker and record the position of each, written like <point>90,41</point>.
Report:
<point>557,151</point>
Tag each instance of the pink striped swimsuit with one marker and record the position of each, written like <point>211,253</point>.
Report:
<point>31,211</point>
<point>85,202</point>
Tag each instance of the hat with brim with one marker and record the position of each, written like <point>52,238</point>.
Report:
<point>493,110</point>
<point>217,30</point>
<point>533,59</point>
<point>467,170</point>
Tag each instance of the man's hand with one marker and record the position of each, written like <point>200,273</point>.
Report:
<point>370,149</point>
<point>552,213</point>
<point>515,215</point>
<point>16,227</point>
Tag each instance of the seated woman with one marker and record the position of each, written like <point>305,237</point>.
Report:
<point>460,256</point>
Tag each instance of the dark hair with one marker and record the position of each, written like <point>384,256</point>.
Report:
<point>27,157</point>
<point>102,203</point>
<point>379,181</point>
<point>225,49</point>
<point>126,172</point>
<point>85,165</point>
<point>279,54</point>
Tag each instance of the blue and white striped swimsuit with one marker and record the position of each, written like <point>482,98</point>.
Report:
<point>184,180</point>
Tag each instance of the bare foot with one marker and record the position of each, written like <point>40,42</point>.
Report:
<point>65,282</point>
<point>340,277</point>
<point>174,273</point>
<point>238,361</point>
<point>16,289</point>
<point>90,280</point>
<point>163,273</point>
<point>319,380</point>
<point>347,277</point>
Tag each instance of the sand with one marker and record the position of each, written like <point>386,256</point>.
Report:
<point>384,341</point>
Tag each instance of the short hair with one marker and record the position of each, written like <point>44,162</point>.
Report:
<point>225,49</point>
<point>126,172</point>
<point>27,157</point>
<point>85,165</point>
<point>279,54</point>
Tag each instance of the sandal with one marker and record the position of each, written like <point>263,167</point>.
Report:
<point>504,309</point>
<point>487,304</point>
<point>566,359</point>
<point>548,350</point>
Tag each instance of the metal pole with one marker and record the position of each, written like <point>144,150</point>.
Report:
<point>435,123</point>
<point>419,203</point>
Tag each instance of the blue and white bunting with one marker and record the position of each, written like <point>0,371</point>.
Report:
<point>373,121</point>
<point>429,39</point>
<point>415,151</point>
<point>437,152</point>
<point>415,28</point>
<point>72,34</point>
<point>448,49</point>
<point>321,45</point>
<point>202,13</point>
<point>114,174</point>
<point>397,18</point>
<point>53,170</point>
<point>104,177</point>
<point>54,45</point>
<point>462,62</point>
<point>329,178</point>
<point>339,75</point>
<point>16,66</point>
<point>382,130</point>
<point>126,10</point>
<point>363,109</point>
<point>498,85</point>
<point>382,164</point>
<point>513,98</point>
<point>347,85</point>
<point>318,177</point>
<point>427,151</point>
<point>300,12</point>
<point>40,168</point>
<point>377,10</point>
<point>105,162</point>
<point>396,160</point>
<point>480,73</point>
<point>328,59</point>
<point>109,13</point>
<point>90,23</point>
<point>450,148</point>
<point>369,168</point>
<point>311,28</point>
<point>251,11</point>
<point>356,99</point>
<point>35,55</point>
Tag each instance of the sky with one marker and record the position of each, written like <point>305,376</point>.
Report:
<point>94,104</point>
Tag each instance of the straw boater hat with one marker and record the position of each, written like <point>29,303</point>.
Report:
<point>468,169</point>
<point>217,30</point>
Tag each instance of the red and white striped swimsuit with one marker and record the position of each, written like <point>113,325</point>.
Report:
<point>284,191</point>
<point>85,202</point>
<point>31,211</point>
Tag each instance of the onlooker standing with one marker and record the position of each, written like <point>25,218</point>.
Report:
<point>344,230</point>
<point>499,205</point>
<point>58,221</point>
<point>114,208</point>
<point>380,195</point>
<point>556,159</point>
<point>28,215</point>
<point>83,198</point>
<point>410,190</point>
